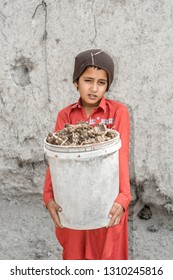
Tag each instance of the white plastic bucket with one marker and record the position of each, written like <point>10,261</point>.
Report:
<point>85,181</point>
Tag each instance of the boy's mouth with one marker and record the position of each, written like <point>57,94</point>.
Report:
<point>92,96</point>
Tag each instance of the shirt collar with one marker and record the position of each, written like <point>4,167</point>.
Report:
<point>102,104</point>
<point>77,104</point>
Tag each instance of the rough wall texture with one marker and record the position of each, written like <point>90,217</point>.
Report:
<point>37,50</point>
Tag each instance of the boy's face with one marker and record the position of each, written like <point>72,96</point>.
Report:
<point>92,85</point>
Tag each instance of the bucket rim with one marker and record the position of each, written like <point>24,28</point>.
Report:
<point>86,146</point>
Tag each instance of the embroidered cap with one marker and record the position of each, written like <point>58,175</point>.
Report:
<point>93,57</point>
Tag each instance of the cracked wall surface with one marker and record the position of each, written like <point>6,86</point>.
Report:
<point>37,49</point>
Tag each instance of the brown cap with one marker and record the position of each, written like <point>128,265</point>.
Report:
<point>94,57</point>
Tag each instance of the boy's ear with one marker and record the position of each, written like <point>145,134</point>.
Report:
<point>76,84</point>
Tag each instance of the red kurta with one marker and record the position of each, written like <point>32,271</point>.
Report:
<point>104,243</point>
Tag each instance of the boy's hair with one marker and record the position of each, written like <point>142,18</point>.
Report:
<point>94,57</point>
<point>90,66</point>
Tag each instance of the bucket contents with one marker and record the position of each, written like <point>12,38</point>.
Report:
<point>80,134</point>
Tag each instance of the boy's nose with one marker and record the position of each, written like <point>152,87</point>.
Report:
<point>94,87</point>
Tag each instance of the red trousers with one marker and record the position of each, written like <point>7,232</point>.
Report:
<point>97,244</point>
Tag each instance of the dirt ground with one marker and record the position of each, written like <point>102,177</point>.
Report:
<point>27,232</point>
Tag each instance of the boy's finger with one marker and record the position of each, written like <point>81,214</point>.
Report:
<point>111,222</point>
<point>59,209</point>
<point>58,224</point>
<point>113,210</point>
<point>54,214</point>
<point>114,220</point>
<point>56,220</point>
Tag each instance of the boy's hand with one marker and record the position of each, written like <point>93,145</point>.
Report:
<point>54,208</point>
<point>115,214</point>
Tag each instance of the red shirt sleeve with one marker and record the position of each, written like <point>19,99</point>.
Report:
<point>122,125</point>
<point>48,195</point>
<point>47,190</point>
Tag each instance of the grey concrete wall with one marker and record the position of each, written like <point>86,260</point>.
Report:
<point>36,57</point>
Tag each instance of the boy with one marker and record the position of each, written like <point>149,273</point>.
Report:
<point>93,75</point>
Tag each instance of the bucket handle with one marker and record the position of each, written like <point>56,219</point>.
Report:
<point>45,160</point>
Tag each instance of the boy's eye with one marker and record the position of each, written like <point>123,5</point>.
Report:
<point>102,83</point>
<point>99,83</point>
